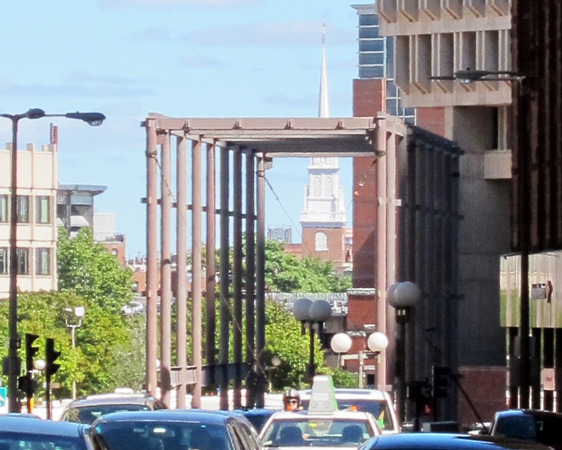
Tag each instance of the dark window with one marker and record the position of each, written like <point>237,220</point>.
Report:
<point>368,19</point>
<point>3,208</point>
<point>368,33</point>
<point>371,58</point>
<point>23,261</point>
<point>3,260</point>
<point>43,261</point>
<point>22,209</point>
<point>371,45</point>
<point>42,210</point>
<point>371,72</point>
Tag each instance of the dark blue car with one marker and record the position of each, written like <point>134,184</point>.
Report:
<point>25,432</point>
<point>256,416</point>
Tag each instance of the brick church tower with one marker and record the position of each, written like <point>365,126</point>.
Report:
<point>323,215</point>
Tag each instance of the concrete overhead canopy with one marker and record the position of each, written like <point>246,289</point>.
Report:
<point>278,137</point>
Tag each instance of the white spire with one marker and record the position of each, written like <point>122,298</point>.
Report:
<point>324,110</point>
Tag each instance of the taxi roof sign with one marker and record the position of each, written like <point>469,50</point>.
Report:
<point>322,397</point>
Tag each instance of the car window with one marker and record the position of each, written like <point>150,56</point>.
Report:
<point>87,414</point>
<point>154,435</point>
<point>378,408</point>
<point>24,441</point>
<point>520,427</point>
<point>312,432</point>
<point>246,436</point>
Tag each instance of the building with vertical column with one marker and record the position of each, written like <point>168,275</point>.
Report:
<point>36,210</point>
<point>438,39</point>
<point>323,215</point>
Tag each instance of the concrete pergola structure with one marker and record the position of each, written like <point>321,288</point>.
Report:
<point>258,140</point>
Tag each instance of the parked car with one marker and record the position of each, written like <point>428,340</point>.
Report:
<point>88,409</point>
<point>445,441</point>
<point>256,416</point>
<point>544,427</point>
<point>173,430</point>
<point>132,308</point>
<point>28,432</point>
<point>377,402</point>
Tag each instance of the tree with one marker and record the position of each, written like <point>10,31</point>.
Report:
<point>285,273</point>
<point>91,271</point>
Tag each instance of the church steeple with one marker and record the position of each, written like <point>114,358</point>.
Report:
<point>323,197</point>
<point>324,109</point>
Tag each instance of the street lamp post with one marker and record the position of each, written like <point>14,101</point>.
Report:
<point>310,312</point>
<point>78,313</point>
<point>376,343</point>
<point>403,297</point>
<point>12,364</point>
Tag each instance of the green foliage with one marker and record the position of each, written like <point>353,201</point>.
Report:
<point>284,339</point>
<point>91,271</point>
<point>345,379</point>
<point>285,273</point>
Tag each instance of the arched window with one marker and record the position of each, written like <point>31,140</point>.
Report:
<point>321,242</point>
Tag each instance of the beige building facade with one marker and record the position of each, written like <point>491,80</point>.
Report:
<point>37,231</point>
<point>436,39</point>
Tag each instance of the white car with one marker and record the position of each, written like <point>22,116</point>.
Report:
<point>377,402</point>
<point>132,308</point>
<point>290,429</point>
<point>321,425</point>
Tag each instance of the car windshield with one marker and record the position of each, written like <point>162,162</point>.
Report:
<point>87,414</point>
<point>24,441</point>
<point>377,408</point>
<point>153,435</point>
<point>317,432</point>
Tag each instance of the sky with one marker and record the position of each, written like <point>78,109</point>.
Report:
<point>180,58</point>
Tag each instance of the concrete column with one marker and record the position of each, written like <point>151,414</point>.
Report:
<point>237,272</point>
<point>250,273</point>
<point>210,315</point>
<point>196,270</point>
<point>224,311</point>
<point>151,256</point>
<point>260,283</point>
<point>181,251</point>
<point>165,269</point>
<point>381,248</point>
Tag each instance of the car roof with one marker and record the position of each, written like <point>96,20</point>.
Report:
<point>446,441</point>
<point>112,399</point>
<point>300,415</point>
<point>256,412</point>
<point>21,424</point>
<point>528,412</point>
<point>174,415</point>
<point>349,393</point>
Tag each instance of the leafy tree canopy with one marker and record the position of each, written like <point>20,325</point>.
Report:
<point>91,271</point>
<point>285,273</point>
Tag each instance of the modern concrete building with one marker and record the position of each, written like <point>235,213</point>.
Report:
<point>376,60</point>
<point>75,206</point>
<point>37,232</point>
<point>438,39</point>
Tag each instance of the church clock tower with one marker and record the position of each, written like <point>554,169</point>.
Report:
<point>323,215</point>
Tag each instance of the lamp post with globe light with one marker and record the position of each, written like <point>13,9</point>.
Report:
<point>311,312</point>
<point>377,342</point>
<point>403,297</point>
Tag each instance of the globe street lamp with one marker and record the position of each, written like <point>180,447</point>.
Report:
<point>376,343</point>
<point>307,311</point>
<point>73,320</point>
<point>403,297</point>
<point>12,364</point>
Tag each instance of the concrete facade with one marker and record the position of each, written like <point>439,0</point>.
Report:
<point>37,231</point>
<point>437,39</point>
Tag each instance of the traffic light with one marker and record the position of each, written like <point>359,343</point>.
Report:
<point>440,380</point>
<point>50,357</point>
<point>27,385</point>
<point>30,351</point>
